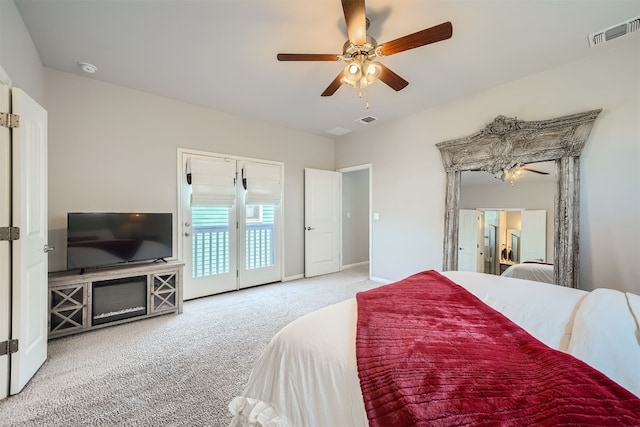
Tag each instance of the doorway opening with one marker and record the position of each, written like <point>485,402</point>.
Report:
<point>356,216</point>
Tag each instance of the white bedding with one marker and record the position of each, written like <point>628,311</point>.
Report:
<point>531,271</point>
<point>308,376</point>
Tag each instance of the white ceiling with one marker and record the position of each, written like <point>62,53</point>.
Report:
<point>221,54</point>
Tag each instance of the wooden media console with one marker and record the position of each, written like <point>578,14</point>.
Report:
<point>110,296</point>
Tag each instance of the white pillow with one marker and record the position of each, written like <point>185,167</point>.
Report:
<point>634,305</point>
<point>605,335</point>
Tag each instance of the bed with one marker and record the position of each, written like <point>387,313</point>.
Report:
<point>536,271</point>
<point>310,373</point>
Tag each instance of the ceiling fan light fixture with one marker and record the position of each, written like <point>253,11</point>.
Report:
<point>352,73</point>
<point>513,174</point>
<point>360,50</point>
<point>373,70</point>
<point>348,82</point>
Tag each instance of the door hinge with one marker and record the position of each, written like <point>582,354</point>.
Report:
<point>8,347</point>
<point>9,233</point>
<point>9,120</point>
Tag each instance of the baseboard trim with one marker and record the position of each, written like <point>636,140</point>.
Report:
<point>345,267</point>
<point>380,280</point>
<point>295,277</point>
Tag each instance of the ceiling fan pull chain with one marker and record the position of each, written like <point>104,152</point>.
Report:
<point>366,91</point>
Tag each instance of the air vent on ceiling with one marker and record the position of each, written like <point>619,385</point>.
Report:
<point>366,120</point>
<point>614,32</point>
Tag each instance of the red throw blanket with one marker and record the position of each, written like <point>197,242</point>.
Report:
<point>430,353</point>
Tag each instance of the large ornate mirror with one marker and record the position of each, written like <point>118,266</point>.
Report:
<point>505,144</point>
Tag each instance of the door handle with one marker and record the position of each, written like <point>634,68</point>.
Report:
<point>310,228</point>
<point>186,234</point>
<point>48,248</point>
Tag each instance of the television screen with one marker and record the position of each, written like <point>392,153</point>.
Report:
<point>102,239</point>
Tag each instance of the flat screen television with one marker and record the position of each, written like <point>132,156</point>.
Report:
<point>97,239</point>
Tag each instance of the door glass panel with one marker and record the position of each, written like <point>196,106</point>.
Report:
<point>210,242</point>
<point>260,236</point>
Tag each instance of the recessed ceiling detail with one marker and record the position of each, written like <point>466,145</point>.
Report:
<point>338,131</point>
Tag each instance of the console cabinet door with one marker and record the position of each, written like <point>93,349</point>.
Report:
<point>67,309</point>
<point>164,292</point>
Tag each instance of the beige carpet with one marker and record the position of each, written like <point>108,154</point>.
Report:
<point>172,370</point>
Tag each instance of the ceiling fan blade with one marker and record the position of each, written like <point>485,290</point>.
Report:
<point>421,38</point>
<point>356,20</point>
<point>535,171</point>
<point>393,80</point>
<point>307,57</point>
<point>333,87</point>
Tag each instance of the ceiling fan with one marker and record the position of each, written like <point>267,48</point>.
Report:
<point>517,172</point>
<point>361,51</point>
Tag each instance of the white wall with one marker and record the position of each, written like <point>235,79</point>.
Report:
<point>409,183</point>
<point>18,55</point>
<point>355,217</point>
<point>114,149</point>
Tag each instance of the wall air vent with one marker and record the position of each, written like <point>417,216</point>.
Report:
<point>614,32</point>
<point>366,120</point>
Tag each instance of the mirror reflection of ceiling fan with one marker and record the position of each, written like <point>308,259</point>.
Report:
<point>361,52</point>
<point>517,172</point>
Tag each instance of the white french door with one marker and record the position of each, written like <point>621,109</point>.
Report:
<point>259,251</point>
<point>230,238</point>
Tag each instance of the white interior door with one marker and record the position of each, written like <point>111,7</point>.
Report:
<point>533,236</point>
<point>29,252</point>
<point>322,240</point>
<point>468,240</point>
<point>5,257</point>
<point>482,250</point>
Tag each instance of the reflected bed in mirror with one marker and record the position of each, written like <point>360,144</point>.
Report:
<point>536,271</point>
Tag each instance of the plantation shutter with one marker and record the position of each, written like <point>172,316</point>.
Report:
<point>212,181</point>
<point>263,184</point>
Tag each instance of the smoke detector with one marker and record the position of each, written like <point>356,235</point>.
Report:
<point>366,120</point>
<point>614,32</point>
<point>87,68</point>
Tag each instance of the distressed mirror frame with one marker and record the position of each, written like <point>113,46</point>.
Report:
<point>507,142</point>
